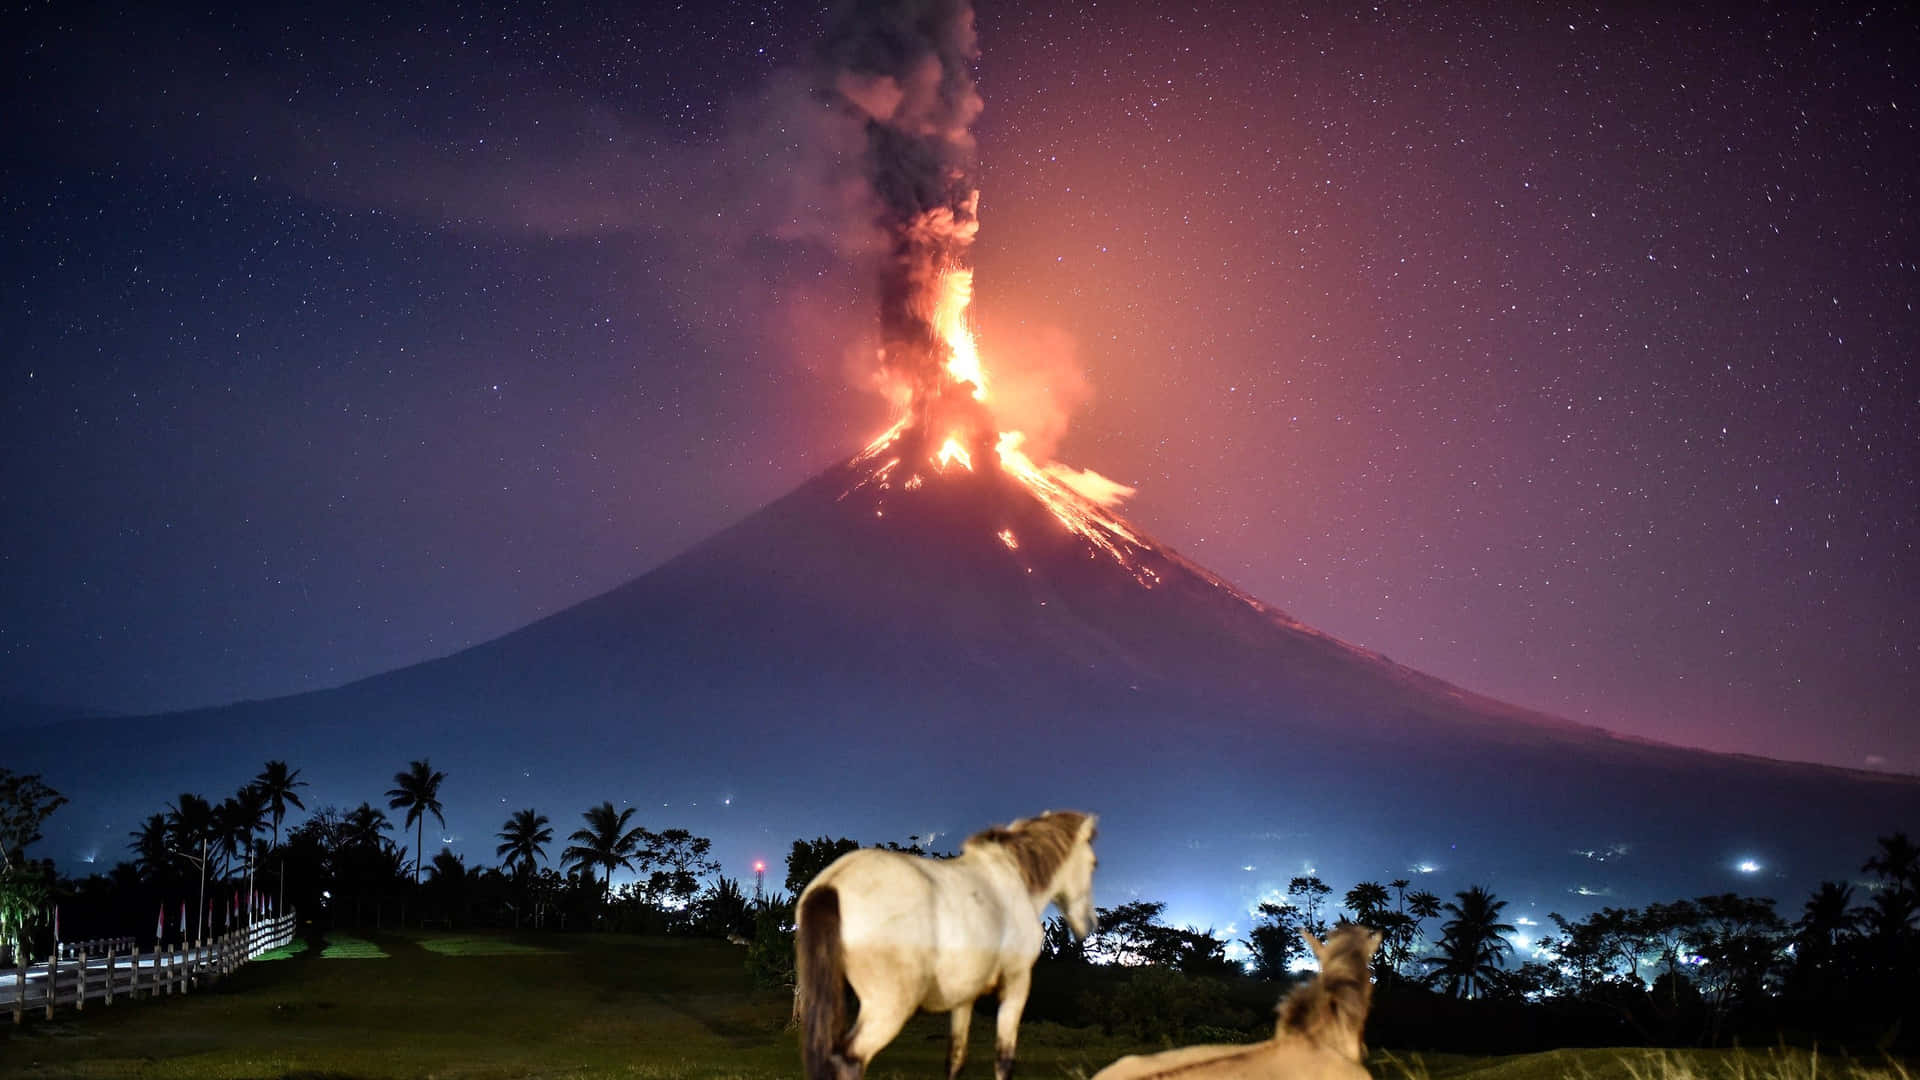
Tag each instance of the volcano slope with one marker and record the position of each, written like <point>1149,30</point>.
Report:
<point>888,652</point>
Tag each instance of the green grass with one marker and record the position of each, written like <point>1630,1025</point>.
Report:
<point>348,947</point>
<point>1637,1064</point>
<point>586,1007</point>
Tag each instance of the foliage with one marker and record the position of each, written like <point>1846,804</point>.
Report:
<point>1157,1004</point>
<point>25,804</point>
<point>809,857</point>
<point>1471,945</point>
<point>606,842</point>
<point>523,841</point>
<point>1308,894</point>
<point>417,791</point>
<point>770,959</point>
<point>1274,941</point>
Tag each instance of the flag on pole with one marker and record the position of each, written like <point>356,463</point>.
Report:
<point>160,923</point>
<point>183,920</point>
<point>56,922</point>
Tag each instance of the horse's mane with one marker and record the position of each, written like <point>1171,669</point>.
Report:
<point>1038,845</point>
<point>1336,1002</point>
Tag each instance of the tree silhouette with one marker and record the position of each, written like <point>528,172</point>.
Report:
<point>235,821</point>
<point>1739,940</point>
<point>1897,862</point>
<point>277,785</point>
<point>523,841</point>
<point>1274,940</point>
<point>1368,902</point>
<point>417,791</point>
<point>1307,894</point>
<point>190,826</point>
<point>149,847</point>
<point>605,842</point>
<point>809,857</point>
<point>25,803</point>
<point>362,826</point>
<point>1471,945</point>
<point>682,859</point>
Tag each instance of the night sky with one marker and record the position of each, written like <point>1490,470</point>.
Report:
<point>1564,353</point>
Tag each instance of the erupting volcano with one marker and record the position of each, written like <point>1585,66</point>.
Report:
<point>904,68</point>
<point>946,629</point>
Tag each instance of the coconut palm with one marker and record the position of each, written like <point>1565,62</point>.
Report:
<point>417,791</point>
<point>190,830</point>
<point>149,847</point>
<point>605,842</point>
<point>1471,945</point>
<point>1898,861</point>
<point>276,784</point>
<point>362,827</point>
<point>523,841</point>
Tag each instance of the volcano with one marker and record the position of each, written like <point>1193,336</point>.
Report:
<point>922,649</point>
<point>946,630</point>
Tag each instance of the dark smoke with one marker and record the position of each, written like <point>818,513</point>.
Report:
<point>905,67</point>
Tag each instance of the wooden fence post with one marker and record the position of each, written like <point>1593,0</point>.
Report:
<point>80,982</point>
<point>109,973</point>
<point>19,987</point>
<point>53,977</point>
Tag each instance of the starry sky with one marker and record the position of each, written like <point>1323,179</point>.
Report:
<point>1566,353</point>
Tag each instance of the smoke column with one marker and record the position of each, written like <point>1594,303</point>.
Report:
<point>904,67</point>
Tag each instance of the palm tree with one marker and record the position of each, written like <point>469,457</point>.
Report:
<point>605,842</point>
<point>237,820</point>
<point>276,784</point>
<point>524,838</point>
<point>1471,944</point>
<point>1898,861</point>
<point>1828,916</point>
<point>417,791</point>
<point>190,825</point>
<point>149,848</point>
<point>362,827</point>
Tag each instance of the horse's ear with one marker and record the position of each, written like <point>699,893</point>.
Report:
<point>1091,827</point>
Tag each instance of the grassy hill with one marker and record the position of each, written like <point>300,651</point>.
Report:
<point>476,1006</point>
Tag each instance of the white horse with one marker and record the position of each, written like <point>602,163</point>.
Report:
<point>911,933</point>
<point>1316,1035</point>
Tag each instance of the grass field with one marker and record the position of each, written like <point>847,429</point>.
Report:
<point>478,1006</point>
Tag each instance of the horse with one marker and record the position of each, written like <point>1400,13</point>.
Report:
<point>1316,1033</point>
<point>910,933</point>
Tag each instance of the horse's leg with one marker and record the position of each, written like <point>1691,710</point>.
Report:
<point>881,1017</point>
<point>1013,1000</point>
<point>961,1018</point>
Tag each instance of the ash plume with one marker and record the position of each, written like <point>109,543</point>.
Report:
<point>905,68</point>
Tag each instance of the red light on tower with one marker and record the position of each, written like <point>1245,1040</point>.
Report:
<point>759,881</point>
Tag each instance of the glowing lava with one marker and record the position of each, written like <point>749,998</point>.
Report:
<point>954,411</point>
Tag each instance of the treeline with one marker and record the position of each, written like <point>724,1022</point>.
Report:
<point>200,865</point>
<point>1838,969</point>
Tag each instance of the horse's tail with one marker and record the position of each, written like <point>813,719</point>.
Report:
<point>823,977</point>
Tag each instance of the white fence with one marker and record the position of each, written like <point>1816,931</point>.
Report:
<point>75,976</point>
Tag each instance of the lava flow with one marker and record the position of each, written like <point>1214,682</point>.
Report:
<point>903,70</point>
<point>948,425</point>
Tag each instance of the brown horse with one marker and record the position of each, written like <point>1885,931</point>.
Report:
<point>1316,1035</point>
<point>909,933</point>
